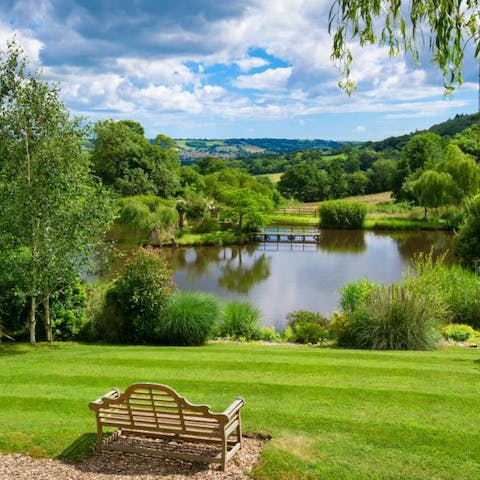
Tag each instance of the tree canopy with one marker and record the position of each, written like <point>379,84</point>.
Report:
<point>126,161</point>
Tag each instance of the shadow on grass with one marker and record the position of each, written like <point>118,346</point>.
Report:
<point>80,449</point>
<point>12,349</point>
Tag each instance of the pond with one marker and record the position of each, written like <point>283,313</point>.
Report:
<point>282,277</point>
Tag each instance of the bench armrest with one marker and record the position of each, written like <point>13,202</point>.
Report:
<point>112,394</point>
<point>233,409</point>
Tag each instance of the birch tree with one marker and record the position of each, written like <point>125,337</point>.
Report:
<point>49,201</point>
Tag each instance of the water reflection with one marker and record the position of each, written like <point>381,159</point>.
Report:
<point>237,269</point>
<point>281,277</point>
<point>349,241</point>
<point>409,243</point>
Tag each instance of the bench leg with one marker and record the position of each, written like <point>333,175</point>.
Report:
<point>239,431</point>
<point>224,452</point>
<point>99,437</point>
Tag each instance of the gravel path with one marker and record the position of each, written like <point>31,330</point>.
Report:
<point>120,466</point>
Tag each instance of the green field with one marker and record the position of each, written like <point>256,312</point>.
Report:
<point>333,414</point>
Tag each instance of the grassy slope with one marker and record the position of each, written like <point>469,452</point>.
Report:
<point>333,414</point>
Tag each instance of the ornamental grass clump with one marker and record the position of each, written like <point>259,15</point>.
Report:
<point>241,321</point>
<point>394,318</point>
<point>342,214</point>
<point>188,319</point>
<point>457,288</point>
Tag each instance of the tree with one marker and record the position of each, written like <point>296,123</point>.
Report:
<point>433,189</point>
<point>304,182</point>
<point>467,240</point>
<point>423,150</point>
<point>450,25</point>
<point>244,205</point>
<point>126,161</point>
<point>380,175</point>
<point>357,183</point>
<point>469,141</point>
<point>463,170</point>
<point>49,201</point>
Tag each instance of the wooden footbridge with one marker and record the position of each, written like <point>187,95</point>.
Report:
<point>286,236</point>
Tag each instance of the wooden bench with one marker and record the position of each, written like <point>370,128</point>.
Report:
<point>154,419</point>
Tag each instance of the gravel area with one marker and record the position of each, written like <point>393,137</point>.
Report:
<point>121,466</point>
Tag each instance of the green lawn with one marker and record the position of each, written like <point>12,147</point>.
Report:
<point>333,414</point>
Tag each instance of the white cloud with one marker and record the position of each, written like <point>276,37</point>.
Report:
<point>248,63</point>
<point>164,71</point>
<point>270,79</point>
<point>176,68</point>
<point>31,46</point>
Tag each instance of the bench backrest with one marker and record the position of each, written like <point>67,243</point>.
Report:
<point>154,408</point>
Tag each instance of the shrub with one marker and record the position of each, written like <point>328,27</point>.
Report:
<point>144,213</point>
<point>391,207</point>
<point>354,293</point>
<point>269,334</point>
<point>394,318</point>
<point>459,332</point>
<point>342,214</point>
<point>14,301</point>
<point>69,311</point>
<point>135,300</point>
<point>307,327</point>
<point>188,319</point>
<point>206,225</point>
<point>453,217</point>
<point>339,329</point>
<point>241,321</point>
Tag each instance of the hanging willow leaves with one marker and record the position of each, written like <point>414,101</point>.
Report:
<point>451,27</point>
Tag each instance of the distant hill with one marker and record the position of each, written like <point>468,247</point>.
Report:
<point>192,148</point>
<point>445,129</point>
<point>242,147</point>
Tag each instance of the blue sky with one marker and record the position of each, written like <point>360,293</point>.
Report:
<point>219,69</point>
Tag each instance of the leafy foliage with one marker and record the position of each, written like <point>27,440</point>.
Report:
<point>125,160</point>
<point>69,311</point>
<point>433,189</point>
<point>135,300</point>
<point>189,318</point>
<point>146,213</point>
<point>353,294</point>
<point>459,332</point>
<point>304,182</point>
<point>307,327</point>
<point>467,240</point>
<point>450,27</point>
